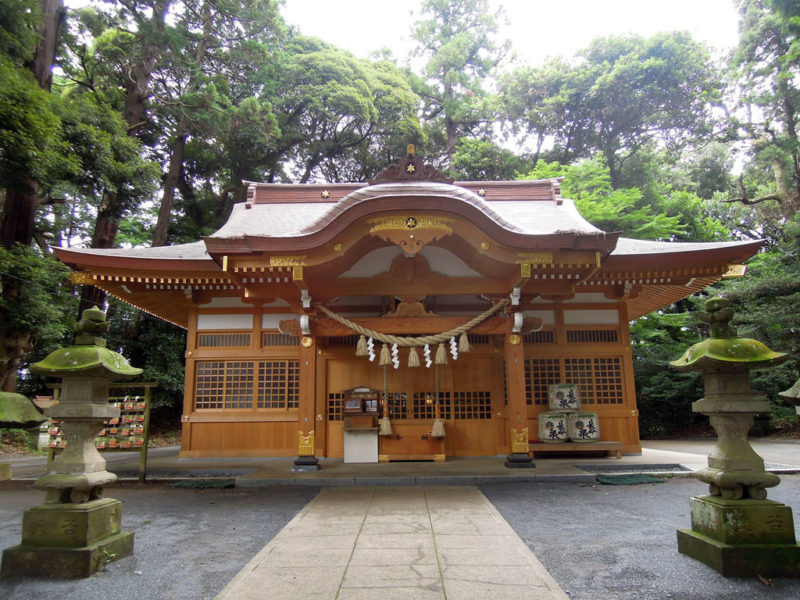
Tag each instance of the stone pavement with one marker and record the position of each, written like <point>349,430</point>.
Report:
<point>364,536</point>
<point>395,543</point>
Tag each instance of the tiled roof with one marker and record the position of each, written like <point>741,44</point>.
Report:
<point>539,217</point>
<point>628,246</point>
<point>191,251</point>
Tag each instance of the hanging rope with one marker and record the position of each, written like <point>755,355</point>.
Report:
<point>413,341</point>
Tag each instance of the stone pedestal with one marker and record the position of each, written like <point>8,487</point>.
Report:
<point>68,540</point>
<point>519,461</point>
<point>305,463</point>
<point>742,538</point>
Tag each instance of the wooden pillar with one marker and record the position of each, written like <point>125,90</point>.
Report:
<point>628,378</point>
<point>306,414</point>
<point>188,382</point>
<point>517,404</point>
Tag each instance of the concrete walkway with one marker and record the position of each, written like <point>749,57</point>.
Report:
<point>395,543</point>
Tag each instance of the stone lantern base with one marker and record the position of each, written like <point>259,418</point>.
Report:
<point>742,538</point>
<point>68,540</point>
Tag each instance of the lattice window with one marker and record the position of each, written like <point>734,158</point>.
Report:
<point>425,405</point>
<point>545,336</point>
<point>608,381</point>
<point>219,340</point>
<point>278,384</point>
<point>239,384</point>
<point>398,405</point>
<point>479,340</point>
<point>592,336</point>
<point>336,341</point>
<point>335,402</point>
<point>600,379</point>
<point>580,372</point>
<point>472,405</point>
<point>222,385</point>
<point>540,374</point>
<point>209,384</point>
<point>272,338</point>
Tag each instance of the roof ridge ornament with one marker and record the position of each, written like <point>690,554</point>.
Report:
<point>410,168</point>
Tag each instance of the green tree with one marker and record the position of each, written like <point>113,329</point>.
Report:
<point>226,52</point>
<point>458,40</point>
<point>534,102</point>
<point>620,95</point>
<point>31,151</point>
<point>483,160</point>
<point>115,55</point>
<point>588,182</point>
<point>767,64</point>
<point>34,307</point>
<point>664,396</point>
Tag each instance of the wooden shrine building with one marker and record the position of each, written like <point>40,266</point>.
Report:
<point>270,300</point>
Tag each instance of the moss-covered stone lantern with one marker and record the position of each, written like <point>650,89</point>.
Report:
<point>76,530</point>
<point>735,529</point>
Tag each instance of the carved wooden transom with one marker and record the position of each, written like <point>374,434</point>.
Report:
<point>410,232</point>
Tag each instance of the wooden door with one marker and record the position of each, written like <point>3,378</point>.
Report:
<point>466,389</point>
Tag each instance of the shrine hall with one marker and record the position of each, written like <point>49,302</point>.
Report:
<point>408,318</point>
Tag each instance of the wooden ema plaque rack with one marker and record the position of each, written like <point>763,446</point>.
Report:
<point>128,432</point>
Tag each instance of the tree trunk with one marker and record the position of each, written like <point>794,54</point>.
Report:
<point>105,233</point>
<point>53,15</point>
<point>170,183</point>
<point>12,355</point>
<point>137,92</point>
<point>19,210</point>
<point>452,139</point>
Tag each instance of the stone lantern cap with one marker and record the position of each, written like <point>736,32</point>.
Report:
<point>724,350</point>
<point>88,355</point>
<point>792,395</point>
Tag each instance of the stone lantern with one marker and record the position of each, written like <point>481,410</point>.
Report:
<point>735,529</point>
<point>76,530</point>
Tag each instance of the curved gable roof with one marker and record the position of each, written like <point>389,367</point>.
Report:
<point>275,224</point>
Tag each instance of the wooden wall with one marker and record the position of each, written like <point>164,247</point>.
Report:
<point>598,357</point>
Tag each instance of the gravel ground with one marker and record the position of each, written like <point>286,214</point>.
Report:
<point>605,542</point>
<point>599,542</point>
<point>188,545</point>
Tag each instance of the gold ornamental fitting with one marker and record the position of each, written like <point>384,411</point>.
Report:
<point>306,342</point>
<point>514,339</point>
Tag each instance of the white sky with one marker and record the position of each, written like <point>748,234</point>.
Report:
<point>536,28</point>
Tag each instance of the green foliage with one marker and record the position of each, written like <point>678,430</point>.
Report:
<point>589,184</point>
<point>18,22</point>
<point>153,345</point>
<point>36,311</point>
<point>621,94</point>
<point>458,41</point>
<point>109,160</point>
<point>483,160</point>
<point>664,396</point>
<point>766,303</point>
<point>764,79</point>
<point>30,135</point>
<point>32,295</point>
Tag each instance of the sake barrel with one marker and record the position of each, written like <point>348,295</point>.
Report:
<point>563,397</point>
<point>583,427</point>
<point>553,427</point>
